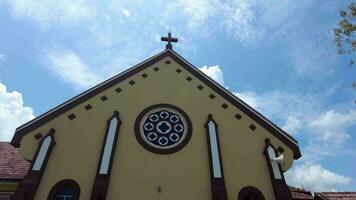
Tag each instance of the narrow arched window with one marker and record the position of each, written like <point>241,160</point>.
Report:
<point>65,190</point>
<point>250,193</point>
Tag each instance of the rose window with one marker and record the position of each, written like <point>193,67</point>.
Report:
<point>162,127</point>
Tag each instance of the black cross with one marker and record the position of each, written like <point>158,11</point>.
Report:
<point>169,39</point>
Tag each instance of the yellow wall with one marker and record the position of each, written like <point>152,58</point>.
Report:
<point>136,172</point>
<point>8,186</point>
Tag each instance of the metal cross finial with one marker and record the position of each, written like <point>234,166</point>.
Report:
<point>169,40</point>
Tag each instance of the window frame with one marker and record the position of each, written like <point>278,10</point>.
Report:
<point>248,189</point>
<point>61,185</point>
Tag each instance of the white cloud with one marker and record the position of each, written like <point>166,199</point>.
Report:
<point>197,11</point>
<point>292,124</point>
<point>277,104</point>
<point>251,98</point>
<point>239,18</point>
<point>246,20</point>
<point>299,113</point>
<point>331,126</point>
<point>303,113</point>
<point>332,119</point>
<point>311,58</point>
<point>2,58</point>
<point>236,17</point>
<point>316,178</point>
<point>214,72</point>
<point>126,13</point>
<point>68,65</point>
<point>47,12</point>
<point>12,112</point>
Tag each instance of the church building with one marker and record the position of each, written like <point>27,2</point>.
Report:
<point>161,130</point>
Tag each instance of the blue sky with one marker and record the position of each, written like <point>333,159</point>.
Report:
<point>277,55</point>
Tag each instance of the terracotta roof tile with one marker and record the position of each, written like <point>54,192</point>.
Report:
<point>335,195</point>
<point>12,164</point>
<point>300,194</point>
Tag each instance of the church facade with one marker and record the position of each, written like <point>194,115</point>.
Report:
<point>160,130</point>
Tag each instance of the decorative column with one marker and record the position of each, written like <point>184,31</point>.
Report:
<point>218,188</point>
<point>102,178</point>
<point>281,190</point>
<point>28,187</point>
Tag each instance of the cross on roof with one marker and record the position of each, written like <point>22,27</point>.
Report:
<point>169,39</point>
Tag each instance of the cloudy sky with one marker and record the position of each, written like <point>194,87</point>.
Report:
<point>277,55</point>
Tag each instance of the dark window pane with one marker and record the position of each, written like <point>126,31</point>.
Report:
<point>251,196</point>
<point>65,194</point>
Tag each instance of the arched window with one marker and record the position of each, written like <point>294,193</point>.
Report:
<point>65,190</point>
<point>250,193</point>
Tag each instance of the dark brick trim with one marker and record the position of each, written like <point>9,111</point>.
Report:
<point>101,182</point>
<point>118,90</point>
<point>38,136</point>
<point>104,98</point>
<point>249,189</point>
<point>63,184</point>
<point>238,116</point>
<point>224,105</point>
<point>132,82</point>
<point>252,127</point>
<point>280,188</point>
<point>28,187</point>
<point>218,188</point>
<point>71,116</point>
<point>88,107</point>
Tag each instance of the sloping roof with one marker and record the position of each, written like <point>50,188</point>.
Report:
<point>300,194</point>
<point>259,118</point>
<point>12,165</point>
<point>335,195</point>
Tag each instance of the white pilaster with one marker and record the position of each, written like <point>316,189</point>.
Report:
<point>104,166</point>
<point>214,149</point>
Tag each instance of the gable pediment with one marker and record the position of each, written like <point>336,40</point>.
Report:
<point>167,57</point>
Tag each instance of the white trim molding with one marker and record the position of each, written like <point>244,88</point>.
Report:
<point>275,165</point>
<point>37,166</point>
<point>215,157</point>
<point>218,189</point>
<point>105,161</point>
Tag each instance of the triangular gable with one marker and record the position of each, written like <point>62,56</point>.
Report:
<point>252,113</point>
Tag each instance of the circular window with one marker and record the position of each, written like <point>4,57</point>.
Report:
<point>163,128</point>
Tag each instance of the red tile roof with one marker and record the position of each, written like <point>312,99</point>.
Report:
<point>12,164</point>
<point>300,194</point>
<point>335,195</point>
